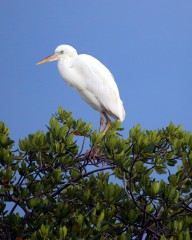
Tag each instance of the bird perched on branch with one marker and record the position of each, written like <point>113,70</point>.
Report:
<point>92,80</point>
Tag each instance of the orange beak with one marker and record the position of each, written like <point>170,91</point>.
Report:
<point>48,59</point>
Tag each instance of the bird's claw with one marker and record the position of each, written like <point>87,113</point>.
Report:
<point>91,154</point>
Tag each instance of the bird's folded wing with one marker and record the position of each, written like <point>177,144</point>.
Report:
<point>98,80</point>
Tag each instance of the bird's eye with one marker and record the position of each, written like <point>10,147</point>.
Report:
<point>61,52</point>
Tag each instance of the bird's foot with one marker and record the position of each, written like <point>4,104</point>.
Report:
<point>95,157</point>
<point>92,154</point>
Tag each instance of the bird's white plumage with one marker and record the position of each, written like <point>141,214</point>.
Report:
<point>92,80</point>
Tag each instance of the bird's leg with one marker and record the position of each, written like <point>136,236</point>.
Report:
<point>101,122</point>
<point>92,154</point>
<point>108,122</point>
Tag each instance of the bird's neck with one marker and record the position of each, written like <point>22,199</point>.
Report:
<point>65,69</point>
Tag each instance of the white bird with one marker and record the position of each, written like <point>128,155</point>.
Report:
<point>92,80</point>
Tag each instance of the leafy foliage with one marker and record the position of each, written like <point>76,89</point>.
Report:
<point>134,188</point>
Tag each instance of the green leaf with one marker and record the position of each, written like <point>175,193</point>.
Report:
<point>163,237</point>
<point>96,138</point>
<point>64,231</point>
<point>123,237</point>
<point>80,219</point>
<point>187,235</point>
<point>180,236</point>
<point>34,202</point>
<point>160,169</point>
<point>100,219</point>
<point>63,131</point>
<point>155,186</point>
<point>111,189</point>
<point>44,231</point>
<point>172,179</point>
<point>74,173</point>
<point>132,215</point>
<point>87,194</point>
<point>23,165</point>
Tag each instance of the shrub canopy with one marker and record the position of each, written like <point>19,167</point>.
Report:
<point>75,183</point>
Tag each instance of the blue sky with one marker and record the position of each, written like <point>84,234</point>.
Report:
<point>147,45</point>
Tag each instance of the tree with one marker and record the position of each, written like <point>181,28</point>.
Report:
<point>133,188</point>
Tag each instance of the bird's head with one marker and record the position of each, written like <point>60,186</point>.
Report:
<point>61,52</point>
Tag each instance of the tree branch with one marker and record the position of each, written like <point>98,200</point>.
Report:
<point>79,178</point>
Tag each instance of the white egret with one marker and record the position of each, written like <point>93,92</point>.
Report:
<point>92,80</point>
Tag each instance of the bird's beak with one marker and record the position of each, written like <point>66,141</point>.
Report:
<point>48,59</point>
